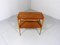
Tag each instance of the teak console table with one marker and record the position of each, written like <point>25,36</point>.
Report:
<point>30,20</point>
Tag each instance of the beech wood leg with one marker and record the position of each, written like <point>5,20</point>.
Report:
<point>19,31</point>
<point>40,31</point>
<point>19,26</point>
<point>40,27</point>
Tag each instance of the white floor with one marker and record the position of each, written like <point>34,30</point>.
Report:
<point>50,34</point>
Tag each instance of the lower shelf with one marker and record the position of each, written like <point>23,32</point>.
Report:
<point>30,25</point>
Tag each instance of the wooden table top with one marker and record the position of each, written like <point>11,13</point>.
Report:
<point>30,15</point>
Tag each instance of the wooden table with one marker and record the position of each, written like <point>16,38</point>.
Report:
<point>30,20</point>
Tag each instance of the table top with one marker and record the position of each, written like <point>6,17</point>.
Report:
<point>30,15</point>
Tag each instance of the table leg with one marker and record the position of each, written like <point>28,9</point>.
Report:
<point>19,31</point>
<point>40,31</point>
<point>19,26</point>
<point>40,27</point>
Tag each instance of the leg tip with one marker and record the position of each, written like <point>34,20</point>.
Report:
<point>20,34</point>
<point>39,33</point>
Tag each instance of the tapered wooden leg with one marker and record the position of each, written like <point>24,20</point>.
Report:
<point>19,31</point>
<point>40,31</point>
<point>19,27</point>
<point>42,26</point>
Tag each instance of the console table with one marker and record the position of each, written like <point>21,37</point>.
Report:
<point>30,20</point>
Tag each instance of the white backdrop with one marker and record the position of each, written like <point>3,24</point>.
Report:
<point>12,7</point>
<point>48,7</point>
